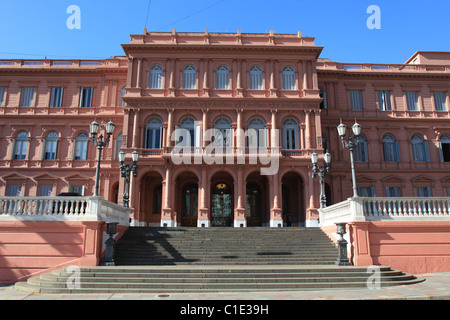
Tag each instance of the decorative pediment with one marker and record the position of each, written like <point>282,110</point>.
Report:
<point>424,179</point>
<point>45,176</point>
<point>392,179</point>
<point>365,179</point>
<point>14,176</point>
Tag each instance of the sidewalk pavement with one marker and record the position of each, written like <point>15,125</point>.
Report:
<point>435,287</point>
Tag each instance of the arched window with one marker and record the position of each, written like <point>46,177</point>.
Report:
<point>20,146</point>
<point>361,150</point>
<point>190,77</point>
<point>290,134</point>
<point>223,125</point>
<point>223,78</point>
<point>81,146</point>
<point>156,77</point>
<point>122,93</point>
<point>257,133</point>
<point>391,149</point>
<point>153,133</point>
<point>288,78</point>
<point>444,148</point>
<point>191,135</point>
<point>50,147</point>
<point>256,78</point>
<point>421,152</point>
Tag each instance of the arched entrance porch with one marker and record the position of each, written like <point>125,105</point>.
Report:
<point>222,200</point>
<point>294,212</point>
<point>187,199</point>
<point>150,198</point>
<point>257,200</point>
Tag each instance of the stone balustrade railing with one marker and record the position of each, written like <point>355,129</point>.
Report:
<point>387,209</point>
<point>62,209</point>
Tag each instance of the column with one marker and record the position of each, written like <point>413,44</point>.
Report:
<point>203,217</point>
<point>276,219</point>
<point>308,129</point>
<point>240,219</point>
<point>135,128</point>
<point>166,218</point>
<point>169,128</point>
<point>139,73</point>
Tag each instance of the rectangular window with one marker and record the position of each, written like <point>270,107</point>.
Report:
<point>45,191</point>
<point>384,99</point>
<point>393,192</point>
<point>56,97</point>
<point>440,101</point>
<point>412,100</point>
<point>77,189</point>
<point>424,192</point>
<point>86,97</point>
<point>2,96</point>
<point>14,190</point>
<point>27,97</point>
<point>356,101</point>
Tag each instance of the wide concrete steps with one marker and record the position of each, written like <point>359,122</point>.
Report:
<point>177,279</point>
<point>225,246</point>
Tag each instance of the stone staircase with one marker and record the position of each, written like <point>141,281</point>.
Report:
<point>163,260</point>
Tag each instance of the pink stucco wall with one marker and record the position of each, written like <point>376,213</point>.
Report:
<point>415,247</point>
<point>28,248</point>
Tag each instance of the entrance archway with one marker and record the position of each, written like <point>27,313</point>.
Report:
<point>294,213</point>
<point>187,199</point>
<point>257,200</point>
<point>150,198</point>
<point>222,200</point>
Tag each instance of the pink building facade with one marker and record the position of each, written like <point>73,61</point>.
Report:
<point>225,125</point>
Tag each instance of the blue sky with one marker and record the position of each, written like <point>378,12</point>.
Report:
<point>33,29</point>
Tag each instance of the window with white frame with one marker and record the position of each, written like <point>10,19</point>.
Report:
<point>20,146</point>
<point>86,97</point>
<point>412,101</point>
<point>424,192</point>
<point>153,133</point>
<point>81,146</point>
<point>156,77</point>
<point>257,133</point>
<point>384,100</point>
<point>366,191</point>
<point>391,149</point>
<point>50,146</point>
<point>79,189</point>
<point>2,96</point>
<point>440,101</point>
<point>256,78</point>
<point>290,133</point>
<point>223,78</point>
<point>288,74</point>
<point>27,97</point>
<point>190,77</point>
<point>420,149</point>
<point>361,150</point>
<point>56,97</point>
<point>356,100</point>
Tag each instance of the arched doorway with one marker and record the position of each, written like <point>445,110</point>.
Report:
<point>257,200</point>
<point>294,213</point>
<point>221,205</point>
<point>150,198</point>
<point>222,200</point>
<point>189,205</point>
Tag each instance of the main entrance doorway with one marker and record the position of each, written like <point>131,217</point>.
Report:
<point>190,205</point>
<point>221,205</point>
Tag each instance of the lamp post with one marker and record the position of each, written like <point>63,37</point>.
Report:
<point>323,173</point>
<point>352,142</point>
<point>125,170</point>
<point>110,126</point>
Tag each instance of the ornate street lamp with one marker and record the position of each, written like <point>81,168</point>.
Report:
<point>323,173</point>
<point>342,259</point>
<point>125,170</point>
<point>351,144</point>
<point>110,126</point>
